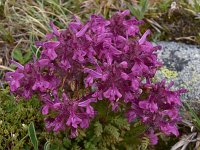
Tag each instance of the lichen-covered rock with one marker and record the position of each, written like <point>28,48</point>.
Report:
<point>185,60</point>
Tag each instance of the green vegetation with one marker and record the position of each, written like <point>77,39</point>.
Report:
<point>23,22</point>
<point>15,116</point>
<point>190,130</point>
<point>18,130</point>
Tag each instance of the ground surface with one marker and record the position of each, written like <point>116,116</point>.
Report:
<point>185,60</point>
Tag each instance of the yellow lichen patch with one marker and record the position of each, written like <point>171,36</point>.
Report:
<point>168,73</point>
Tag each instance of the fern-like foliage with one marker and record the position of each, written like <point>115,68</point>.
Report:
<point>98,129</point>
<point>145,143</point>
<point>109,131</point>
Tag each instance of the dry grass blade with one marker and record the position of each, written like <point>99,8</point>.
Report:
<point>190,38</point>
<point>25,21</point>
<point>187,123</point>
<point>104,7</point>
<point>155,25</point>
<point>34,16</point>
<point>183,143</point>
<point>5,68</point>
<point>197,146</point>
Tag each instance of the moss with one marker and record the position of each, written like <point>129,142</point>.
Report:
<point>16,114</point>
<point>179,25</point>
<point>14,118</point>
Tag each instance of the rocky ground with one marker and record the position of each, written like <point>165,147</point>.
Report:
<point>185,60</point>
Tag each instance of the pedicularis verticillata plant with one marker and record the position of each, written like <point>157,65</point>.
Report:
<point>101,60</point>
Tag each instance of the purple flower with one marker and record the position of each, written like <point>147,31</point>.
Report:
<point>74,133</point>
<point>132,26</point>
<point>115,63</point>
<point>14,80</point>
<point>73,120</point>
<point>153,138</point>
<point>172,97</point>
<point>70,113</point>
<point>135,83</point>
<point>94,75</point>
<point>151,106</point>
<point>43,62</point>
<point>98,24</point>
<point>139,68</point>
<point>131,115</point>
<point>143,38</point>
<point>83,30</point>
<point>89,109</point>
<point>112,93</point>
<point>55,30</point>
<point>50,49</point>
<point>41,85</point>
<point>155,110</point>
<point>45,110</point>
<point>171,113</point>
<point>79,54</point>
<point>169,128</point>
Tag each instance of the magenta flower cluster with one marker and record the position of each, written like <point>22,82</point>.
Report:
<point>98,60</point>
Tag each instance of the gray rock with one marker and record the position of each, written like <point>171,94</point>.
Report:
<point>185,60</point>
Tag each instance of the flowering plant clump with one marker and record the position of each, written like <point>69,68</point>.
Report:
<point>101,60</point>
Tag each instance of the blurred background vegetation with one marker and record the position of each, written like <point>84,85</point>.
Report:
<point>22,22</point>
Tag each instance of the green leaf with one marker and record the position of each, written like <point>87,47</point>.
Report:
<point>47,145</point>
<point>144,5</point>
<point>17,55</point>
<point>196,119</point>
<point>112,130</point>
<point>135,132</point>
<point>66,142</point>
<point>27,56</point>
<point>27,147</point>
<point>35,51</point>
<point>98,128</point>
<point>133,10</point>
<point>32,135</point>
<point>197,5</point>
<point>164,6</point>
<point>121,123</point>
<point>89,146</point>
<point>139,10</point>
<point>145,143</point>
<point>6,35</point>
